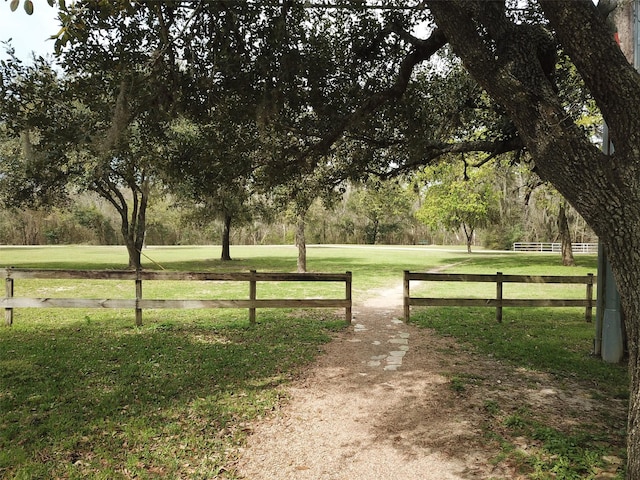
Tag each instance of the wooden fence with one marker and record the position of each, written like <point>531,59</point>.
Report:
<point>139,303</point>
<point>498,302</point>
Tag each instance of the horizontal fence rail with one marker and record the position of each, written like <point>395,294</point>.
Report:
<point>498,302</point>
<point>554,247</point>
<point>139,303</point>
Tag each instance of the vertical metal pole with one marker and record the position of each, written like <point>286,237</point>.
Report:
<point>597,342</point>
<point>405,297</point>
<point>138,298</point>
<point>612,348</point>
<point>252,297</point>
<point>347,310</point>
<point>499,297</point>
<point>8,312</point>
<point>588,311</point>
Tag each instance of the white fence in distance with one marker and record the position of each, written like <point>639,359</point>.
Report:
<point>552,247</point>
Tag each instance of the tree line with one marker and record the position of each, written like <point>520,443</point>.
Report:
<point>70,132</point>
<point>378,212</point>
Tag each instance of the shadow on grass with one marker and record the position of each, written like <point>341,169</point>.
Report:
<point>565,439</point>
<point>268,263</point>
<point>557,341</point>
<point>168,399</point>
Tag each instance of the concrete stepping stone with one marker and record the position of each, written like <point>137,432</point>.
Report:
<point>398,353</point>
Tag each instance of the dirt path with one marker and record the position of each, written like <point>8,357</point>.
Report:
<point>379,404</point>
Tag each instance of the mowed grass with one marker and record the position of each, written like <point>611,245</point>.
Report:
<point>86,394</point>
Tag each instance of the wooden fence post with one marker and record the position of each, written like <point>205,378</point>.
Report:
<point>589,309</point>
<point>252,297</point>
<point>405,296</point>
<point>138,298</point>
<point>347,310</point>
<point>8,312</point>
<point>499,297</point>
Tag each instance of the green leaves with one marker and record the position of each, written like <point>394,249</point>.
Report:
<point>28,5</point>
<point>455,203</point>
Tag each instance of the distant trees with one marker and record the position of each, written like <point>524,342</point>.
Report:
<point>84,220</point>
<point>385,207</point>
<point>88,218</point>
<point>458,200</point>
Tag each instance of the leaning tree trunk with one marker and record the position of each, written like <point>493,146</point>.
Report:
<point>623,253</point>
<point>511,61</point>
<point>133,228</point>
<point>565,236</point>
<point>301,243</point>
<point>468,233</point>
<point>226,239</point>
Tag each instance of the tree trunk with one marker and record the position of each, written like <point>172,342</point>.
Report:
<point>625,264</point>
<point>135,256</point>
<point>468,233</point>
<point>372,232</point>
<point>565,236</point>
<point>133,229</point>
<point>301,243</point>
<point>226,239</point>
<point>602,188</point>
<point>141,221</point>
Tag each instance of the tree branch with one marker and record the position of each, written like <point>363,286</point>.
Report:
<point>585,35</point>
<point>421,52</point>
<point>437,150</point>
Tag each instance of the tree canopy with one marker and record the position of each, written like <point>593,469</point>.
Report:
<point>400,86</point>
<point>458,201</point>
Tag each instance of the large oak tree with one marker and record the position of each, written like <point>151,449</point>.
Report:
<point>511,61</point>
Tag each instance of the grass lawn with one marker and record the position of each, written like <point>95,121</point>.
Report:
<point>85,393</point>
